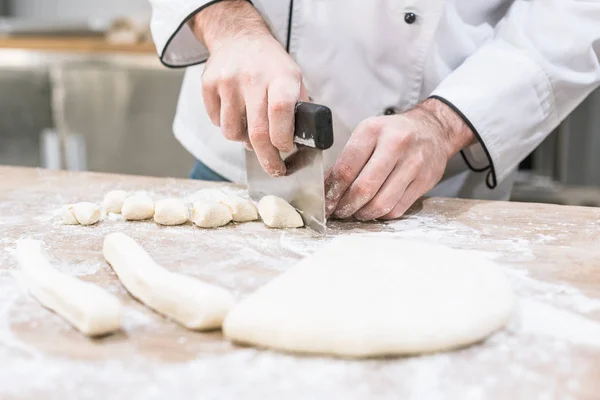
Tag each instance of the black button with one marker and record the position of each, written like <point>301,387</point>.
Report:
<point>410,18</point>
<point>389,111</point>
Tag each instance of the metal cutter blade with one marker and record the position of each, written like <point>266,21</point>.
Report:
<point>303,185</point>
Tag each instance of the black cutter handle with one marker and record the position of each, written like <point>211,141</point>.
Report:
<point>314,126</point>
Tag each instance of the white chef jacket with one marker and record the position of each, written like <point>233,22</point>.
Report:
<point>513,69</point>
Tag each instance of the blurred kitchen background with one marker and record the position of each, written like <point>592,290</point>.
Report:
<point>81,88</point>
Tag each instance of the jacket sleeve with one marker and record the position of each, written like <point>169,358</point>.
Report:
<point>543,60</point>
<point>176,44</point>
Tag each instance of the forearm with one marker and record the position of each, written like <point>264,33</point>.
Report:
<point>227,20</point>
<point>457,133</point>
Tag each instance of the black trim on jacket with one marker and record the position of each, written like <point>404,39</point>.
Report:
<point>185,21</point>
<point>490,180</point>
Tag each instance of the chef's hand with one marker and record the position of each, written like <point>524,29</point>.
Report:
<point>250,84</point>
<point>391,161</point>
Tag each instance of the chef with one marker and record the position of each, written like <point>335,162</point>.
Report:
<point>433,97</point>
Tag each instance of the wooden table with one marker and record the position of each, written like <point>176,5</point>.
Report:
<point>551,255</point>
<point>74,45</point>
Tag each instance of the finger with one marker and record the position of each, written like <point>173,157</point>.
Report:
<point>368,183</point>
<point>355,155</point>
<point>412,193</point>
<point>283,96</point>
<point>258,132</point>
<point>390,193</point>
<point>303,93</point>
<point>233,115</point>
<point>212,100</point>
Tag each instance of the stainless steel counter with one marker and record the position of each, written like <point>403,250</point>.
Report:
<point>96,111</point>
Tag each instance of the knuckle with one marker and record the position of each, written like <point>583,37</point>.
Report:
<point>282,106</point>
<point>417,161</point>
<point>370,125</point>
<point>232,133</point>
<point>296,73</point>
<point>400,141</point>
<point>226,79</point>
<point>345,173</point>
<point>250,78</point>
<point>209,84</point>
<point>258,135</point>
<point>363,190</point>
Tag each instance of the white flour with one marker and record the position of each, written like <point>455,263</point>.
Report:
<point>554,318</point>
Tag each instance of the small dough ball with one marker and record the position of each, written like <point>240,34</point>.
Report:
<point>207,214</point>
<point>138,208</point>
<point>170,212</point>
<point>113,201</point>
<point>242,210</point>
<point>67,217</point>
<point>86,213</point>
<point>278,213</point>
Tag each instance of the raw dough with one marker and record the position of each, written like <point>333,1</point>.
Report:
<point>209,214</point>
<point>90,309</point>
<point>138,207</point>
<point>81,213</point>
<point>113,201</point>
<point>192,303</point>
<point>242,210</point>
<point>367,296</point>
<point>67,217</point>
<point>171,212</point>
<point>278,213</point>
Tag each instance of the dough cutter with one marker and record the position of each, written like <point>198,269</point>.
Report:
<point>303,186</point>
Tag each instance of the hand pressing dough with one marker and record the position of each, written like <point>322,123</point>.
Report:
<point>278,213</point>
<point>242,210</point>
<point>138,207</point>
<point>90,309</point>
<point>171,212</point>
<point>209,214</point>
<point>369,296</point>
<point>81,213</point>
<point>192,303</point>
<point>113,201</point>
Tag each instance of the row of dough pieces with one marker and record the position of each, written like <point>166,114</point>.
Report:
<point>209,213</point>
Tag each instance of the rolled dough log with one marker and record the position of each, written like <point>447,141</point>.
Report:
<point>192,303</point>
<point>362,296</point>
<point>81,213</point>
<point>278,213</point>
<point>138,207</point>
<point>211,214</point>
<point>90,309</point>
<point>113,201</point>
<point>171,212</point>
<point>242,210</point>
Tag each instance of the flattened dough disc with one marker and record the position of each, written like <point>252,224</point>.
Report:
<point>364,296</point>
